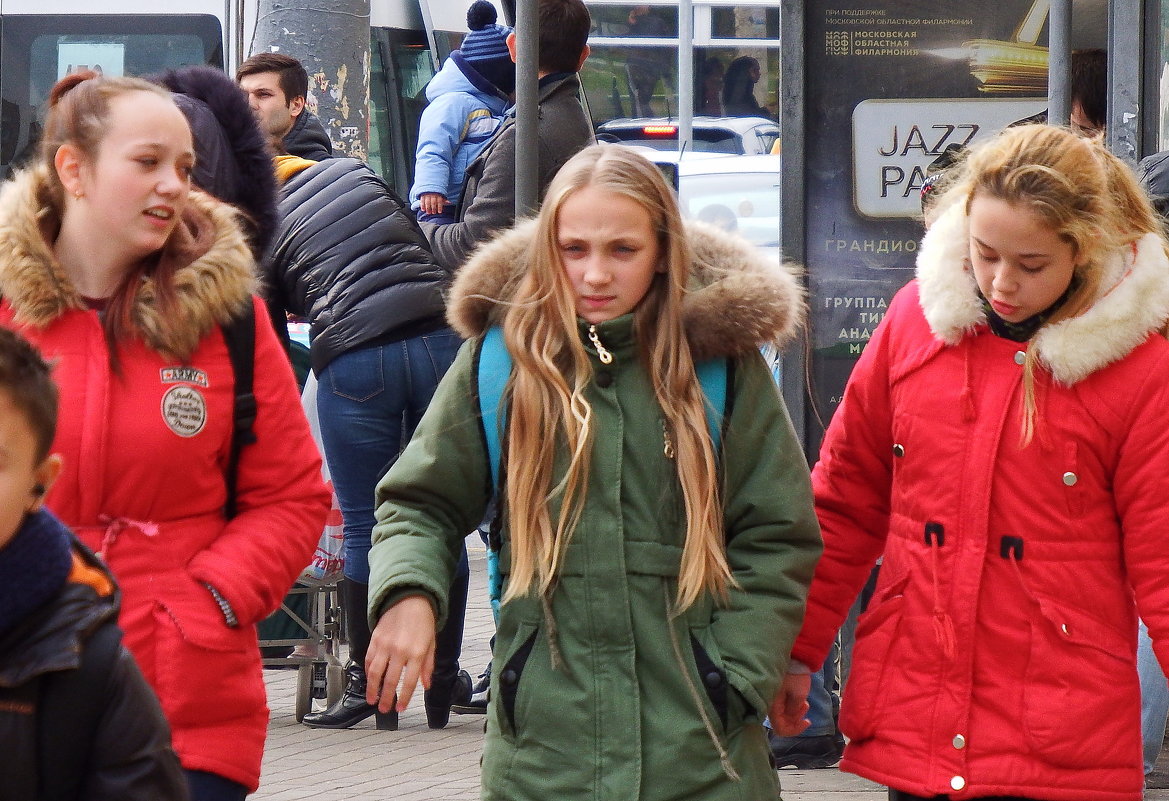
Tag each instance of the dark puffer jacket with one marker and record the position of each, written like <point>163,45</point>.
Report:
<point>350,257</point>
<point>308,138</point>
<point>77,719</point>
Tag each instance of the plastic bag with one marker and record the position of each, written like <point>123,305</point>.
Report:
<point>329,558</point>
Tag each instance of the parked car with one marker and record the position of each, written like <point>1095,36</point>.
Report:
<point>737,193</point>
<point>740,135</point>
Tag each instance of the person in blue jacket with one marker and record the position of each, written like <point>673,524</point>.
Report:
<point>467,100</point>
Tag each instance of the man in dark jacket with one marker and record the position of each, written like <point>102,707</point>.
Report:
<point>77,719</point>
<point>277,89</point>
<point>487,204</point>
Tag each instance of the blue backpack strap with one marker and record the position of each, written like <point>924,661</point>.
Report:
<point>713,375</point>
<point>494,370</point>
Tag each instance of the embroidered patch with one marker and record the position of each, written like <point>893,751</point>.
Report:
<point>184,409</point>
<point>184,375</point>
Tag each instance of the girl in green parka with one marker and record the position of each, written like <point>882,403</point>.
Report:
<point>653,583</point>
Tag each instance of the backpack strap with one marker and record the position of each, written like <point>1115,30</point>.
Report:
<point>240,337</point>
<point>494,371</point>
<point>714,377</point>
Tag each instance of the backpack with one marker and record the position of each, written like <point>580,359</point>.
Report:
<point>492,372</point>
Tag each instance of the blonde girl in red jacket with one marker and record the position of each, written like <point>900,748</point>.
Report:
<point>121,275</point>
<point>1003,442</point>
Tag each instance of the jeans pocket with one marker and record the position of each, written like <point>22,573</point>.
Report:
<point>358,375</point>
<point>441,347</point>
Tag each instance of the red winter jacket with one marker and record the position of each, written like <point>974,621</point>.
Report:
<point>144,485</point>
<point>997,656</point>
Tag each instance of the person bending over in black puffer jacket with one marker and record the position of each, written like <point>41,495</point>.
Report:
<point>349,256</point>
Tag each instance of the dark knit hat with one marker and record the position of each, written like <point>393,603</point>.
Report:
<point>485,47</point>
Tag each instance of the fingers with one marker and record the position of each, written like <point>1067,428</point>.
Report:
<point>401,652</point>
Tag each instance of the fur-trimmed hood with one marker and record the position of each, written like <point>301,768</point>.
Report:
<point>1133,301</point>
<point>740,299</point>
<point>211,290</point>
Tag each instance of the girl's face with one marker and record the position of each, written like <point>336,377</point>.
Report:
<point>138,185</point>
<point>1021,264</point>
<point>609,249</point>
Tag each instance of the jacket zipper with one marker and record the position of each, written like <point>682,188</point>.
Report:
<point>605,356</point>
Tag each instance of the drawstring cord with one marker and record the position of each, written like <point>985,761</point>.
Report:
<point>724,758</point>
<point>116,525</point>
<point>943,625</point>
<point>550,625</point>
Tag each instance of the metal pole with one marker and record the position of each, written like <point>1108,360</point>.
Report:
<point>1059,103</point>
<point>1126,43</point>
<point>685,74</point>
<point>527,111</point>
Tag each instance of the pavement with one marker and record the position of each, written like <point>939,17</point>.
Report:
<point>416,763</point>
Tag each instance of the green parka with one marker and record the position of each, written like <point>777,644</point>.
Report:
<point>643,706</point>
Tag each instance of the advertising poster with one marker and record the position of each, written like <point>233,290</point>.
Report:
<point>890,86</point>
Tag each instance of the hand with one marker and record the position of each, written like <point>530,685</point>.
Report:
<point>431,202</point>
<point>790,705</point>
<point>401,651</point>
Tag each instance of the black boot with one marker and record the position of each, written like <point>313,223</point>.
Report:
<point>480,694</point>
<point>351,708</point>
<point>448,684</point>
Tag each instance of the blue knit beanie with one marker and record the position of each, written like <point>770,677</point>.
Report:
<point>485,47</point>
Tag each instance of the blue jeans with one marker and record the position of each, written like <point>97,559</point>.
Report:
<point>1154,699</point>
<point>212,787</point>
<point>369,401</point>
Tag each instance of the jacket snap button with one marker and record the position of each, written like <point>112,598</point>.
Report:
<point>713,679</point>
<point>1020,357</point>
<point>509,677</point>
<point>1063,627</point>
<point>604,379</point>
<point>957,783</point>
<point>898,450</point>
<point>959,741</point>
<point>1070,479</point>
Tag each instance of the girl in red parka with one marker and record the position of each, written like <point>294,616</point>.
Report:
<point>122,276</point>
<point>1003,442</point>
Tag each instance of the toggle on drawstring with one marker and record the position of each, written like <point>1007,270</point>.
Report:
<point>116,525</point>
<point>943,625</point>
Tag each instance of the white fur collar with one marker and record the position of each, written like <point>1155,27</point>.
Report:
<point>1133,301</point>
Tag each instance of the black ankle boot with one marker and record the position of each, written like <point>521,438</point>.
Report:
<point>448,684</point>
<point>351,707</point>
<point>442,693</point>
<point>480,693</point>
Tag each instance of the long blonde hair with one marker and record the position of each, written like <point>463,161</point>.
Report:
<point>1088,196</point>
<point>548,409</point>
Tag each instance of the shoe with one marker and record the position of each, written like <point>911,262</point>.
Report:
<point>476,703</point>
<point>807,753</point>
<point>351,707</point>
<point>442,695</point>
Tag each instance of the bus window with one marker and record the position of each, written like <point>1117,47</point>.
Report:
<point>400,69</point>
<point>721,74</point>
<point>37,50</point>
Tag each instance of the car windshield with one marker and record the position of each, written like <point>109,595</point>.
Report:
<point>744,202</point>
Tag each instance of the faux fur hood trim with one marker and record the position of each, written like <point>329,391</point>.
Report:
<point>739,300</point>
<point>210,291</point>
<point>1132,303</point>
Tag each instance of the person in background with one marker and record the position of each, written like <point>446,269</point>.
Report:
<point>277,88</point>
<point>77,720</point>
<point>652,580</point>
<point>710,88</point>
<point>739,89</point>
<point>127,279</point>
<point>1088,92</point>
<point>349,257</point>
<point>467,99</point>
<point>1001,440</point>
<point>487,204</point>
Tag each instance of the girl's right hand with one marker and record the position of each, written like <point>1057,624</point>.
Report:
<point>401,651</point>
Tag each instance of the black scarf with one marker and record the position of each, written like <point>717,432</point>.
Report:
<point>35,565</point>
<point>1023,330</point>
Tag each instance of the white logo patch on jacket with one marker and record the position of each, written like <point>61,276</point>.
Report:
<point>184,410</point>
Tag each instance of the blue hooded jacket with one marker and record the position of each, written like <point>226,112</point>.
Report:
<point>465,111</point>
